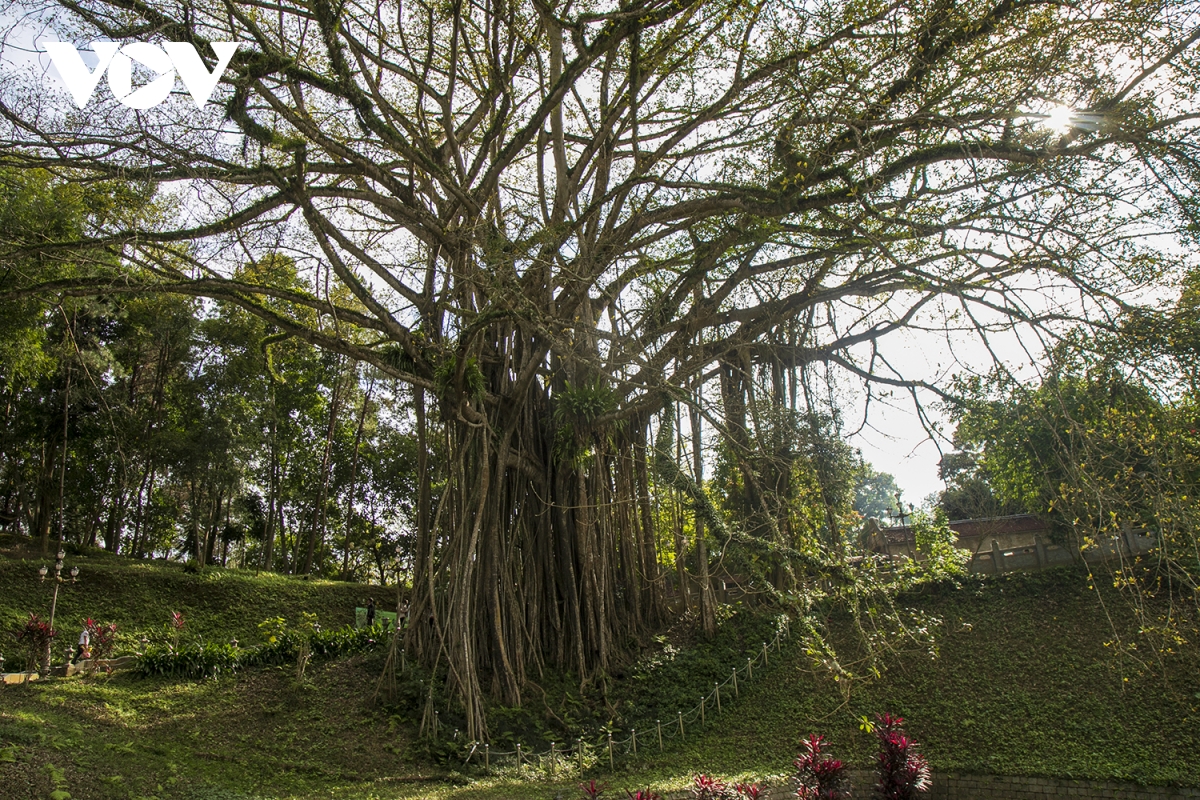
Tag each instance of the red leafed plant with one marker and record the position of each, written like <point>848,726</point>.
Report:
<point>177,624</point>
<point>643,794</point>
<point>902,771</point>
<point>35,638</point>
<point>749,791</point>
<point>592,790</point>
<point>706,788</point>
<point>820,777</point>
<point>101,637</point>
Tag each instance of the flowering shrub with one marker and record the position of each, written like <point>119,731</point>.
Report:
<point>819,776</point>
<point>902,771</point>
<point>101,638</point>
<point>34,639</point>
<point>643,794</point>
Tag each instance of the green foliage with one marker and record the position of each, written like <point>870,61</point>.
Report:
<point>1100,452</point>
<point>874,492</point>
<point>941,559</point>
<point>583,404</point>
<point>195,660</point>
<point>33,639</point>
<point>473,386</point>
<point>212,659</point>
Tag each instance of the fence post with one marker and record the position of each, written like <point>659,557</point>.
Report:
<point>437,717</point>
<point>735,689</point>
<point>519,770</point>
<point>681,736</point>
<point>749,670</point>
<point>581,756</point>
<point>658,722</point>
<point>765,659</point>
<point>487,756</point>
<point>633,733</point>
<point>702,699</point>
<point>553,759</point>
<point>610,755</point>
<point>718,696</point>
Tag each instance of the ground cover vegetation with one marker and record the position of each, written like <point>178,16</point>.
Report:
<point>486,282</point>
<point>1026,681</point>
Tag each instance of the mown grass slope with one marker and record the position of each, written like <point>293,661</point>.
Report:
<point>217,604</point>
<point>1026,681</point>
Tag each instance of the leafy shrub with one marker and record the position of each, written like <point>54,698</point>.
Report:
<point>902,771</point>
<point>820,777</point>
<point>34,639</point>
<point>936,541</point>
<point>206,660</point>
<point>708,788</point>
<point>643,794</point>
<point>591,790</point>
<point>308,629</point>
<point>101,637</point>
<point>176,627</point>
<point>284,646</point>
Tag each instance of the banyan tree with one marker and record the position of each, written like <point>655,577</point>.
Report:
<point>554,220</point>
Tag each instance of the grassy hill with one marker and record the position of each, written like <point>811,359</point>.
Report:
<point>1023,683</point>
<point>139,596</point>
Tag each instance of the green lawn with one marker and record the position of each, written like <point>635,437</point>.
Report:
<point>1023,684</point>
<point>218,604</point>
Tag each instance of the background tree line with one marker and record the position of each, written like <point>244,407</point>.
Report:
<point>171,426</point>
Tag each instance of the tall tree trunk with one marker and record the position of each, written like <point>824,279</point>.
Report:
<point>213,528</point>
<point>45,502</point>
<point>350,493</point>
<point>268,554</point>
<point>708,611</point>
<point>316,533</point>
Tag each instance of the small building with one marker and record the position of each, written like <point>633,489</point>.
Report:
<point>1007,544</point>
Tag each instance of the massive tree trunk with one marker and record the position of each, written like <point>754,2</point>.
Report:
<point>540,549</point>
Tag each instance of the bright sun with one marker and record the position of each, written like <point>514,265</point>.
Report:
<point>1059,119</point>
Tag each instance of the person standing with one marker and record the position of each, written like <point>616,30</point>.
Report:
<point>371,612</point>
<point>85,644</point>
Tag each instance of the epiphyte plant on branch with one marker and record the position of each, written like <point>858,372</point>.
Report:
<point>497,202</point>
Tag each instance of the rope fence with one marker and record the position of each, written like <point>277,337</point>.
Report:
<point>603,748</point>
